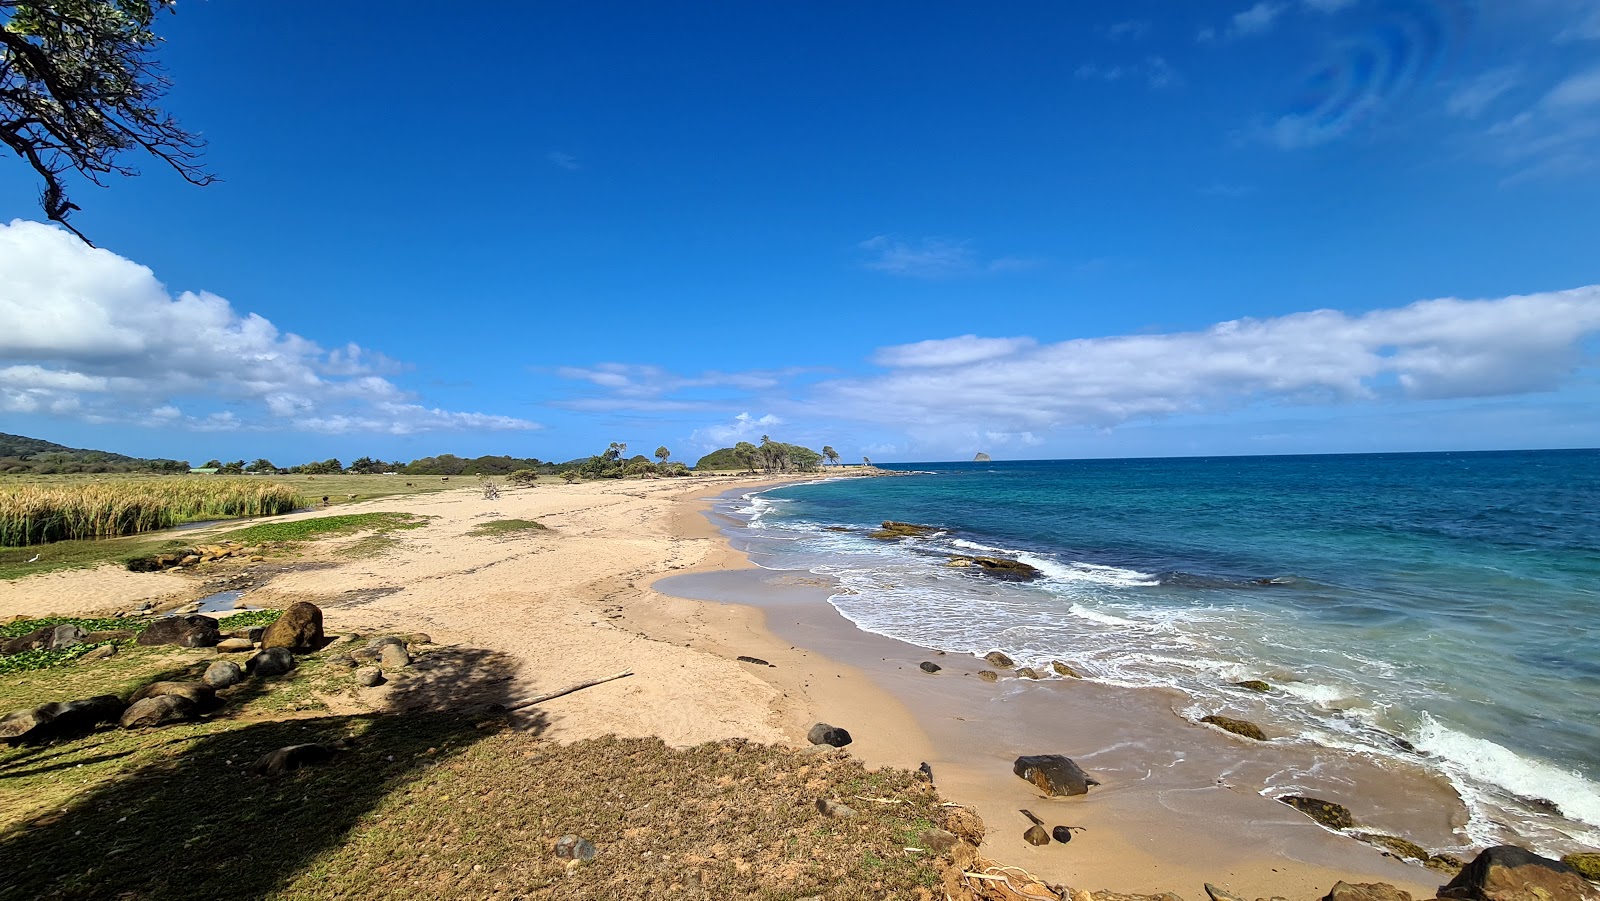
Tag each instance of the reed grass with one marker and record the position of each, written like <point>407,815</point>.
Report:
<point>33,514</point>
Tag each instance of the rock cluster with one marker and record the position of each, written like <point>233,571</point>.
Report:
<point>894,531</point>
<point>1509,873</point>
<point>192,556</point>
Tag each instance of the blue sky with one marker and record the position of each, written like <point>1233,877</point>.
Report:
<point>909,230</point>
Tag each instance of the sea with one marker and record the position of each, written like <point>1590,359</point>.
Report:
<point>1441,607</point>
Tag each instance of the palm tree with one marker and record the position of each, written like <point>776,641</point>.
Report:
<point>831,455</point>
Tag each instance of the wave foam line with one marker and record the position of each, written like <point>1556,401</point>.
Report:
<point>1487,762</point>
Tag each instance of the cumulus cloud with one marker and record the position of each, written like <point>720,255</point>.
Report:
<point>88,333</point>
<point>1433,349</point>
<point>743,428</point>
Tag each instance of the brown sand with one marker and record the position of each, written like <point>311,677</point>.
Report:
<point>573,604</point>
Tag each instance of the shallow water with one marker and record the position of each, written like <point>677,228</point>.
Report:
<point>1444,602</point>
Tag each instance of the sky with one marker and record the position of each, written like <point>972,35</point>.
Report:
<point>908,230</point>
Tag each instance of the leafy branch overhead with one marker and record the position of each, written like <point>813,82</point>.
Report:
<point>79,88</point>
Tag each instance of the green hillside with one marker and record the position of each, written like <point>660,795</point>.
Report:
<point>21,454</point>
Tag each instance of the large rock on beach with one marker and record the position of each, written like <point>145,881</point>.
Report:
<point>200,694</point>
<point>270,662</point>
<point>298,629</point>
<point>1054,774</point>
<point>824,734</point>
<point>60,720</point>
<point>192,631</point>
<point>1329,814</point>
<point>1243,728</point>
<point>157,711</point>
<point>222,674</point>
<point>996,658</point>
<point>1587,865</point>
<point>1366,891</point>
<point>1509,873</point>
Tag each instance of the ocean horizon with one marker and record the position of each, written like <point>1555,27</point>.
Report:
<point>1437,607</point>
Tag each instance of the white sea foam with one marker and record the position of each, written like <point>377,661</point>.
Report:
<point>1485,761</point>
<point>1106,619</point>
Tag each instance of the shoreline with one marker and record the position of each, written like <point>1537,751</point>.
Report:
<point>1169,817</point>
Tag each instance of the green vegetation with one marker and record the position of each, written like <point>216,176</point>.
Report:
<point>47,658</point>
<point>770,456</point>
<point>507,527</point>
<point>523,478</point>
<point>33,514</point>
<point>323,527</point>
<point>21,455</point>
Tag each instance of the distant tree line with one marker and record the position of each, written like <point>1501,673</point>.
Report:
<point>769,456</point>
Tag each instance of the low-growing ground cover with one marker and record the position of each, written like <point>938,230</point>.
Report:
<point>507,527</point>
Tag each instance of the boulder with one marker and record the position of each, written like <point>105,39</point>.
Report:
<point>199,694</point>
<point>894,531</point>
<point>1395,845</point>
<point>270,662</point>
<point>1062,834</point>
<point>99,653</point>
<point>59,720</point>
<point>928,667</point>
<point>574,847</point>
<point>1365,891</point>
<point>1053,774</point>
<point>1253,685</point>
<point>996,658</point>
<point>394,656</point>
<point>45,638</point>
<point>1329,814</point>
<point>1036,835</point>
<point>192,631</point>
<point>1243,728</point>
<point>1587,865</point>
<point>988,675</point>
<point>1028,672</point>
<point>252,634</point>
<point>157,711</point>
<point>419,638</point>
<point>1509,873</point>
<point>234,645</point>
<point>222,674</point>
<point>831,808</point>
<point>998,567</point>
<point>824,734</point>
<point>368,676</point>
<point>1063,670</point>
<point>293,757</point>
<point>298,629</point>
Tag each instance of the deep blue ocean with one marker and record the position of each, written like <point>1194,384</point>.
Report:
<point>1444,602</point>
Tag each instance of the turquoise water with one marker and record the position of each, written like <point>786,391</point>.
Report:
<point>1440,607</point>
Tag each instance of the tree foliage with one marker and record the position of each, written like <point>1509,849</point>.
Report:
<point>79,88</point>
<point>769,456</point>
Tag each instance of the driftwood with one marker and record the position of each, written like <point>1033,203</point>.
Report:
<point>538,699</point>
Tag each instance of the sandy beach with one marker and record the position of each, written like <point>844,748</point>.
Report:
<point>576,602</point>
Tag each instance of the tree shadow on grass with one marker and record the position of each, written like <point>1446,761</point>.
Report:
<point>199,823</point>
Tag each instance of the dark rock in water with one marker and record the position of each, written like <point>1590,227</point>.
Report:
<point>1028,672</point>
<point>157,711</point>
<point>298,629</point>
<point>1366,891</point>
<point>192,631</point>
<point>988,675</point>
<point>291,758</point>
<point>995,658</point>
<point>1063,670</point>
<point>1329,814</point>
<point>1544,805</point>
<point>222,674</point>
<point>893,531</point>
<point>1509,873</point>
<point>824,734</point>
<point>1036,836</point>
<point>1062,834</point>
<point>572,847</point>
<point>837,529</point>
<point>1253,685</point>
<point>1244,728</point>
<point>1587,865</point>
<point>1395,845</point>
<point>60,720</point>
<point>1001,568</point>
<point>270,662</point>
<point>755,660</point>
<point>927,667</point>
<point>1054,774</point>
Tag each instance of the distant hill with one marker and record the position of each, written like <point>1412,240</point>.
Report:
<point>21,454</point>
<point>778,457</point>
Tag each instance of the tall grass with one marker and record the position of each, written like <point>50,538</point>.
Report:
<point>37,514</point>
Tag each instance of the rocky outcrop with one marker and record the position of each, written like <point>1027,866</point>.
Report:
<point>1366,891</point>
<point>59,720</point>
<point>192,556</point>
<point>192,631</point>
<point>998,567</point>
<point>1329,814</point>
<point>1509,873</point>
<point>1053,774</point>
<point>1587,865</point>
<point>894,531</point>
<point>824,734</point>
<point>298,629</point>
<point>1395,845</point>
<point>981,458</point>
<point>1243,728</point>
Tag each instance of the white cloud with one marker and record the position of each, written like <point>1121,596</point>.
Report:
<point>1156,71</point>
<point>1577,91</point>
<point>1257,19</point>
<point>88,333</point>
<point>743,428</point>
<point>1132,29</point>
<point>1557,135</point>
<point>1429,350</point>
<point>933,258</point>
<point>1471,99</point>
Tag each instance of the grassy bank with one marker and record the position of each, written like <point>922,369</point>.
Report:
<point>34,514</point>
